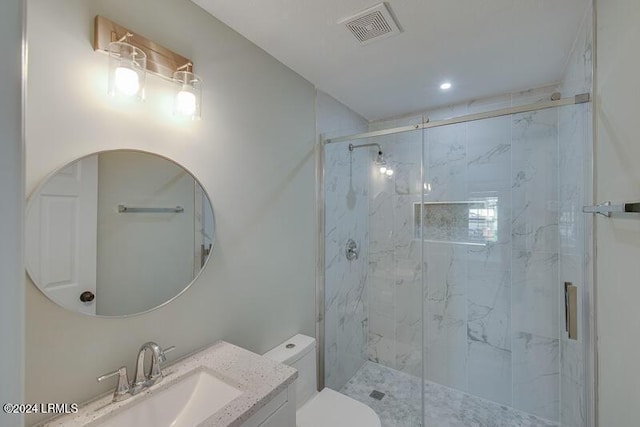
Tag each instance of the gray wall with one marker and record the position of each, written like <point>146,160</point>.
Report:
<point>11,209</point>
<point>617,151</point>
<point>252,151</point>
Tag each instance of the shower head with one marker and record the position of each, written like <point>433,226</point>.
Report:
<point>380,161</point>
<point>379,158</point>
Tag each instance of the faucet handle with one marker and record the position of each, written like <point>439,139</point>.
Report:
<point>122,388</point>
<point>163,353</point>
<point>155,374</point>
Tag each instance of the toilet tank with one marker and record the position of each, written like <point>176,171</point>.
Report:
<point>299,352</point>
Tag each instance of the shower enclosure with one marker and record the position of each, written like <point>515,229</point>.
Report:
<point>456,287</point>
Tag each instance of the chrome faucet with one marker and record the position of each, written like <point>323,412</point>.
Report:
<point>154,373</point>
<point>142,380</point>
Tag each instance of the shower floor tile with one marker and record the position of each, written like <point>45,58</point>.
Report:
<point>444,407</point>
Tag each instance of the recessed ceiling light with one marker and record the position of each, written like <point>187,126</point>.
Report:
<point>445,86</point>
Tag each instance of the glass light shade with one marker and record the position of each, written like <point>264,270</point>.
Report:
<point>126,81</point>
<point>188,96</point>
<point>127,70</point>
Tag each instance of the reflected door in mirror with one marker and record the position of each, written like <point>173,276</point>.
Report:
<point>61,237</point>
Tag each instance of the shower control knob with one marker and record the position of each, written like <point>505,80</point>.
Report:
<point>351,250</point>
<point>87,296</point>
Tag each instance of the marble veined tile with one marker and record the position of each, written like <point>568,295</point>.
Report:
<point>404,225</point>
<point>490,372</point>
<point>401,404</point>
<point>405,158</point>
<point>536,375</point>
<point>535,293</point>
<point>444,406</point>
<point>381,349</point>
<point>446,315</point>
<point>489,150</point>
<point>445,161</point>
<point>489,305</point>
<point>346,210</point>
<point>573,391</point>
<point>494,256</point>
<point>535,181</point>
<point>574,132</point>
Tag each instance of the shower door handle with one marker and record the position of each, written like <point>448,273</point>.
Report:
<point>570,307</point>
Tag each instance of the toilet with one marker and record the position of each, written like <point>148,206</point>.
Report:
<point>326,408</point>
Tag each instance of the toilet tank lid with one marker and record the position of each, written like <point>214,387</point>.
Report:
<point>292,349</point>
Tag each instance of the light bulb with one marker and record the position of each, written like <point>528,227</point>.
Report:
<point>126,81</point>
<point>445,86</point>
<point>383,169</point>
<point>185,103</point>
<point>389,172</point>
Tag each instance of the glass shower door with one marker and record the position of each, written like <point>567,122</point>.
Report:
<point>502,233</point>
<point>467,220</point>
<point>453,311</point>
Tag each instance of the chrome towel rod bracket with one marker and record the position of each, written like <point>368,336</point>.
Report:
<point>607,208</point>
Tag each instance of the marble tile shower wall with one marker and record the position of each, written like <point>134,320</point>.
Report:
<point>346,210</point>
<point>346,199</point>
<point>395,277</point>
<point>491,310</point>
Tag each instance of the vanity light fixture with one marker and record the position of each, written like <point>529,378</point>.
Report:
<point>127,69</point>
<point>132,55</point>
<point>188,93</point>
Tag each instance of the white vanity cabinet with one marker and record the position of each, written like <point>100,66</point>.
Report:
<point>279,412</point>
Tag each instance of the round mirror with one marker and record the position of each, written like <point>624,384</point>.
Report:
<point>117,233</point>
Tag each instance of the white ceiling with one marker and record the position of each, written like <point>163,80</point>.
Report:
<point>484,47</point>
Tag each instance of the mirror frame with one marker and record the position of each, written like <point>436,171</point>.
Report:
<point>44,182</point>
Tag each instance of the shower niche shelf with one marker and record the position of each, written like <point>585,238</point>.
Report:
<point>469,222</point>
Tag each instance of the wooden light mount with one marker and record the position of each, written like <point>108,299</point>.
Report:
<point>160,60</point>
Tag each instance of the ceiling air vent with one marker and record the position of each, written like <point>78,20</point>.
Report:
<point>375,23</point>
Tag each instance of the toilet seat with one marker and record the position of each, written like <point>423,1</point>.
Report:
<point>332,409</point>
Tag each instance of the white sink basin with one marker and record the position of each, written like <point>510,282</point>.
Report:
<point>183,404</point>
<point>219,386</point>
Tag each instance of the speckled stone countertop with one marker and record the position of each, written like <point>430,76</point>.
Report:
<point>259,378</point>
